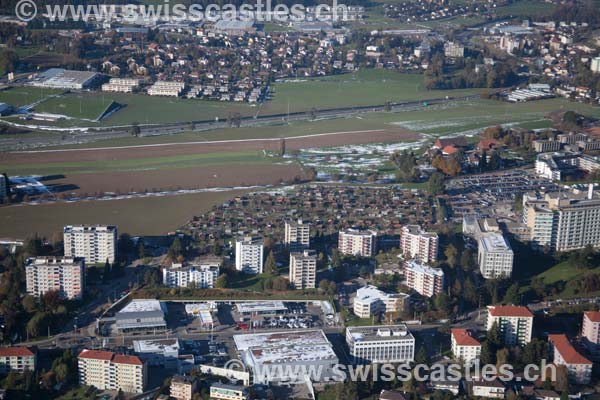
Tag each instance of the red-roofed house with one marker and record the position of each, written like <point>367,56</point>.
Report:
<point>459,141</point>
<point>449,150</point>
<point>590,332</point>
<point>489,144</point>
<point>515,323</point>
<point>563,353</point>
<point>109,371</point>
<point>16,359</point>
<point>464,346</point>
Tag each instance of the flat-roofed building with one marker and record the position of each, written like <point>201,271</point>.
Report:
<point>222,391</point>
<point>249,255</point>
<point>121,85</point>
<point>64,275</point>
<point>58,78</point>
<point>297,235</point>
<point>418,244</point>
<point>266,307</point>
<point>464,346</point>
<point>94,243</point>
<point>515,323</point>
<point>140,314</point>
<point>166,88</point>
<point>158,352</point>
<point>546,146</point>
<point>563,353</point>
<point>355,242</point>
<point>303,269</point>
<point>425,280</point>
<point>17,359</point>
<point>495,256</point>
<point>183,387</point>
<point>370,301</point>
<point>106,370</point>
<point>590,332</point>
<point>287,356</point>
<point>380,344</point>
<point>196,274</point>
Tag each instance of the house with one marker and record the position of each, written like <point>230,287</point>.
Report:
<point>491,389</point>
<point>459,141</point>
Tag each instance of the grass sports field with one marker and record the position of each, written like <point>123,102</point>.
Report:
<point>22,96</point>
<point>145,216</point>
<point>77,105</point>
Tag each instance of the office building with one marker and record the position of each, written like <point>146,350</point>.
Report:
<point>418,244</point>
<point>95,244</point>
<point>297,235</point>
<point>183,387</point>
<point>425,280</point>
<point>62,274</point>
<point>563,353</point>
<point>563,222</point>
<point>595,67</point>
<point>303,269</point>
<point>353,242</point>
<point>141,315</point>
<point>17,359</point>
<point>222,391</point>
<point>495,256</point>
<point>464,346</point>
<point>249,255</point>
<point>105,370</point>
<point>196,274</point>
<point>370,301</point>
<point>515,323</point>
<point>590,332</point>
<point>380,344</point>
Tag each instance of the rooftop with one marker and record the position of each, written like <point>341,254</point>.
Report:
<point>423,269</point>
<point>372,293</point>
<point>593,316</point>
<point>110,356</point>
<point>156,346</point>
<point>567,351</point>
<point>140,305</point>
<point>15,352</point>
<point>509,311</point>
<point>379,333</point>
<point>463,338</point>
<point>494,242</point>
<point>261,306</point>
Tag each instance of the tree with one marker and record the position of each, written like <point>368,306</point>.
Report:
<point>488,355</point>
<point>29,303</point>
<point>36,324</point>
<point>436,186</point>
<point>222,281</point>
<point>422,357</point>
<point>562,379</point>
<point>107,271</point>
<point>135,129</point>
<point>141,249</point>
<point>466,260</point>
<point>176,249</point>
<point>271,265</point>
<point>282,147</point>
<point>512,295</point>
<point>451,254</point>
<point>483,162</point>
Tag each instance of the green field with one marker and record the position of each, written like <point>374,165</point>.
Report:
<point>141,216</point>
<point>22,96</point>
<point>76,105</point>
<point>137,164</point>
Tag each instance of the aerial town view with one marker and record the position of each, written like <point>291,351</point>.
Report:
<point>300,199</point>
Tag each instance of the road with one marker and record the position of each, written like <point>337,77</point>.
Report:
<point>77,135</point>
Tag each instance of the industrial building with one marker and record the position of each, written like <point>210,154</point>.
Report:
<point>58,78</point>
<point>141,315</point>
<point>94,243</point>
<point>380,344</point>
<point>62,274</point>
<point>355,242</point>
<point>261,307</point>
<point>249,257</point>
<point>289,356</point>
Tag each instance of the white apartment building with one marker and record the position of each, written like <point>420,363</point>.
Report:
<point>297,235</point>
<point>425,280</point>
<point>418,244</point>
<point>203,276</point>
<point>590,332</point>
<point>17,359</point>
<point>303,269</point>
<point>105,370</point>
<point>249,255</point>
<point>563,353</point>
<point>595,67</point>
<point>166,88</point>
<point>464,346</point>
<point>354,242</point>
<point>495,256</point>
<point>62,274</point>
<point>515,323</point>
<point>380,344</point>
<point>121,85</point>
<point>94,243</point>
<point>563,222</point>
<point>370,301</point>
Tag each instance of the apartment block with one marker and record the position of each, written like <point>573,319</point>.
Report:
<point>425,280</point>
<point>222,391</point>
<point>562,222</point>
<point>595,66</point>
<point>166,88</point>
<point>249,255</point>
<point>563,353</point>
<point>297,235</point>
<point>546,146</point>
<point>62,274</point>
<point>418,244</point>
<point>303,269</point>
<point>590,332</point>
<point>380,344</point>
<point>17,359</point>
<point>370,301</point>
<point>495,256</point>
<point>515,323</point>
<point>464,346</point>
<point>121,85</point>
<point>94,243</point>
<point>183,387</point>
<point>3,188</point>
<point>203,276</point>
<point>355,242</point>
<point>105,370</point>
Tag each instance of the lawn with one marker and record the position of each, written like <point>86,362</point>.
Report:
<point>77,105</point>
<point>141,216</point>
<point>21,96</point>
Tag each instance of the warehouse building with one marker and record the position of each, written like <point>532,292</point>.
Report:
<point>141,315</point>
<point>58,78</point>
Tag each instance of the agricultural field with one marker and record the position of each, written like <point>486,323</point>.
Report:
<point>142,216</point>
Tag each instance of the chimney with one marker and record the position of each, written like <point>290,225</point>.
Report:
<point>590,191</point>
